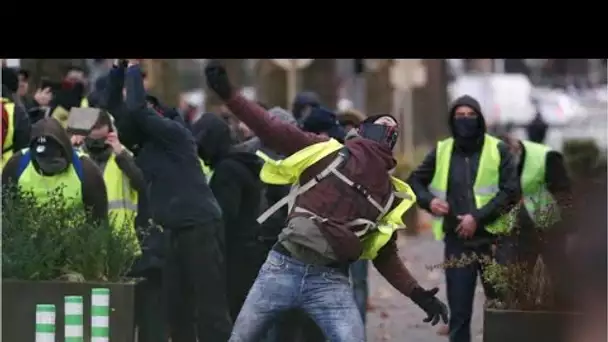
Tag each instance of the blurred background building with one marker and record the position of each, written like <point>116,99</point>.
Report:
<point>570,94</point>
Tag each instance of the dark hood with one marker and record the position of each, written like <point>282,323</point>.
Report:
<point>212,136</point>
<point>10,80</point>
<point>471,102</point>
<point>303,100</point>
<point>51,128</point>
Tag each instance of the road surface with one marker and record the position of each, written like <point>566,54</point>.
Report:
<point>393,317</point>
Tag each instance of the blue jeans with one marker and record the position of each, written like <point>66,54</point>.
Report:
<point>283,283</point>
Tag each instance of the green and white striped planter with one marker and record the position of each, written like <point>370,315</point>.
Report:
<point>100,315</point>
<point>45,323</point>
<point>73,311</point>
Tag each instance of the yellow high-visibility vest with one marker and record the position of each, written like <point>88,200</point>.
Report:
<point>7,147</point>
<point>41,186</point>
<point>122,201</point>
<point>537,200</point>
<point>288,171</point>
<point>84,103</point>
<point>206,170</point>
<point>484,188</point>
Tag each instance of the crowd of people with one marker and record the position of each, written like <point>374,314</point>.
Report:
<point>267,213</point>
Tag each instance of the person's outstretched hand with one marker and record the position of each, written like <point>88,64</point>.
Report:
<point>434,308</point>
<point>217,79</point>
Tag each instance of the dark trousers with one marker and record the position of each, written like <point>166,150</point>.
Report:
<point>150,320</point>
<point>195,284</point>
<point>358,272</point>
<point>461,281</point>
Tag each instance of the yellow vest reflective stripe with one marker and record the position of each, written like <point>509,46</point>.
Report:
<point>484,188</point>
<point>84,103</point>
<point>42,186</point>
<point>206,170</point>
<point>7,148</point>
<point>288,171</point>
<point>122,200</point>
<point>538,201</point>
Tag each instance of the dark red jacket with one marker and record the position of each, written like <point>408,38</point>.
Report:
<point>367,165</point>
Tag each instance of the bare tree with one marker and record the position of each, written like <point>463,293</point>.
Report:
<point>271,84</point>
<point>379,91</point>
<point>163,79</point>
<point>431,104</point>
<point>53,69</point>
<point>234,67</point>
<point>321,77</point>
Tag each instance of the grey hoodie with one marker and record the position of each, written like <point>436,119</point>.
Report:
<point>254,144</point>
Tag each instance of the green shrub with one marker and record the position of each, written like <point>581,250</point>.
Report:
<point>583,158</point>
<point>51,240</point>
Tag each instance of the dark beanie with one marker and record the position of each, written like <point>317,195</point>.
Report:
<point>10,79</point>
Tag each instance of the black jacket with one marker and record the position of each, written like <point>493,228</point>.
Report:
<point>463,169</point>
<point>21,123</point>
<point>178,191</point>
<point>235,182</point>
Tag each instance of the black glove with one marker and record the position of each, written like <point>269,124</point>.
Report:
<point>217,79</point>
<point>433,307</point>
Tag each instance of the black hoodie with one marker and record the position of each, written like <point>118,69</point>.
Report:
<point>178,191</point>
<point>94,194</point>
<point>463,169</point>
<point>238,189</point>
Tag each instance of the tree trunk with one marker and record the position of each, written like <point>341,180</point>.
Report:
<point>321,77</point>
<point>271,84</point>
<point>163,80</point>
<point>379,92</point>
<point>430,105</point>
<point>235,70</point>
<point>53,69</point>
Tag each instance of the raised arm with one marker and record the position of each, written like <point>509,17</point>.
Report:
<point>277,135</point>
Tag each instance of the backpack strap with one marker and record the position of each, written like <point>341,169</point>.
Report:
<point>77,163</point>
<point>24,161</point>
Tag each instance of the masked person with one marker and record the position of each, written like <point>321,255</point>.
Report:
<point>237,188</point>
<point>547,197</point>
<point>128,209</point>
<point>50,163</point>
<point>182,203</point>
<point>343,207</point>
<point>15,121</point>
<point>468,182</point>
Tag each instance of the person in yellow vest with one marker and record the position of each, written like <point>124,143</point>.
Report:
<point>542,228</point>
<point>469,183</point>
<point>15,121</point>
<point>76,74</point>
<point>344,206</point>
<point>128,209</point>
<point>50,162</point>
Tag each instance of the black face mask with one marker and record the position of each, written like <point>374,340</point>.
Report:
<point>96,145</point>
<point>466,127</point>
<point>386,135</point>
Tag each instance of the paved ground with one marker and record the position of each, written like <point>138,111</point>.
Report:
<point>393,317</point>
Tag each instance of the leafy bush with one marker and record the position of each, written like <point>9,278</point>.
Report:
<point>49,240</point>
<point>583,158</point>
<point>519,286</point>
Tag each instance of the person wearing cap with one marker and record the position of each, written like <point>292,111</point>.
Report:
<point>51,163</point>
<point>350,118</point>
<point>15,121</point>
<point>303,103</point>
<point>344,206</point>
